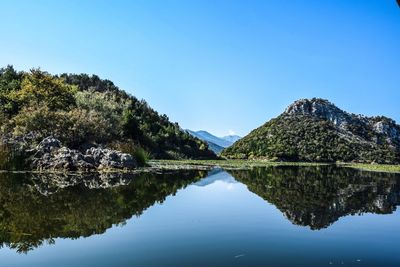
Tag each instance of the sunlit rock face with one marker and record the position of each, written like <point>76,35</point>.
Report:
<point>347,122</point>
<point>387,128</point>
<point>320,108</point>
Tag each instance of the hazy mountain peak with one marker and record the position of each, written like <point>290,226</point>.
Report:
<point>217,144</point>
<point>231,138</point>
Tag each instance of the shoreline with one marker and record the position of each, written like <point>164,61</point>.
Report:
<point>173,165</point>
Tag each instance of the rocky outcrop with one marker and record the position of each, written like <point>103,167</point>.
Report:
<point>107,158</point>
<point>320,108</point>
<point>51,155</point>
<point>342,120</point>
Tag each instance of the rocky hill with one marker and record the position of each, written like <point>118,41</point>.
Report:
<point>317,130</point>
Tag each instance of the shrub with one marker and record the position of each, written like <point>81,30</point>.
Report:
<point>72,127</point>
<point>141,155</point>
<point>109,105</point>
<point>38,120</point>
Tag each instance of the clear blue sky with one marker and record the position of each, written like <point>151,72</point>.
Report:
<point>217,65</point>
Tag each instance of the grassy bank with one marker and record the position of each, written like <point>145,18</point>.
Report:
<point>246,164</point>
<point>375,167</point>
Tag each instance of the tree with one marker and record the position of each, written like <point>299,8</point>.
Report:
<point>10,81</point>
<point>39,88</point>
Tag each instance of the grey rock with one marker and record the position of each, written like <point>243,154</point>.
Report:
<point>48,144</point>
<point>62,159</point>
<point>387,127</point>
<point>107,158</point>
<point>320,108</point>
<point>19,143</point>
<point>50,155</point>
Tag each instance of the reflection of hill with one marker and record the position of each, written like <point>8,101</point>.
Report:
<point>216,175</point>
<point>38,210</point>
<point>319,196</point>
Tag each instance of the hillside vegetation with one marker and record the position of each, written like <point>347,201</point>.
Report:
<point>82,109</point>
<point>316,130</point>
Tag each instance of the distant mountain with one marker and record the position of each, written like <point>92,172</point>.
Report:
<point>216,144</point>
<point>317,130</point>
<point>206,136</point>
<point>231,138</point>
<point>215,148</point>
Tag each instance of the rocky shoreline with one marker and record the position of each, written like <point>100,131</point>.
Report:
<point>51,155</point>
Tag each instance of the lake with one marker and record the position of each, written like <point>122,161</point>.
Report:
<point>272,216</point>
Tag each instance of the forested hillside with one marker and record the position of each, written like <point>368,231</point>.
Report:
<point>83,110</point>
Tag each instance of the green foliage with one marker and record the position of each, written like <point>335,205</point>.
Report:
<point>36,119</point>
<point>131,126</point>
<point>105,103</point>
<point>73,127</point>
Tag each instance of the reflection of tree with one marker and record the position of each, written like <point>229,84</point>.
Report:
<point>317,197</point>
<point>33,210</point>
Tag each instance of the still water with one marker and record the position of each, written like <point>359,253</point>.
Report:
<point>276,216</point>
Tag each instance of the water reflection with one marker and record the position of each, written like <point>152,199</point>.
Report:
<point>319,196</point>
<point>216,175</point>
<point>35,209</point>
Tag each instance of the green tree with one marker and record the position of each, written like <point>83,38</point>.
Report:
<point>40,88</point>
<point>10,81</point>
